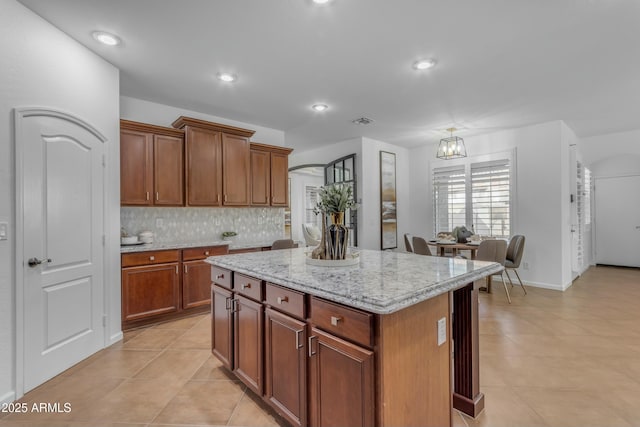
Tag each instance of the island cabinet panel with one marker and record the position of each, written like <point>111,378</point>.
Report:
<point>236,160</point>
<point>248,342</point>
<point>285,366</point>
<point>203,167</point>
<point>149,291</point>
<point>222,325</point>
<point>260,178</point>
<point>341,382</point>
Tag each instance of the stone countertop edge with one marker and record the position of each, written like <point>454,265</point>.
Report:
<point>393,300</point>
<point>127,249</point>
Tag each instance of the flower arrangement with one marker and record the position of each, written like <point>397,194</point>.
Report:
<point>335,198</point>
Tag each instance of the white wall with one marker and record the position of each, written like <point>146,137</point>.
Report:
<point>298,184</point>
<point>163,115</point>
<point>539,211</point>
<point>41,66</point>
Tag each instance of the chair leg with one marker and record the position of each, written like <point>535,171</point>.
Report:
<point>520,280</point>
<point>506,271</point>
<point>505,287</point>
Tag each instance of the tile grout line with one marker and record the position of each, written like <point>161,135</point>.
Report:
<point>235,408</point>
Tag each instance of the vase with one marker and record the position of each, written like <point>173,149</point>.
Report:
<point>337,237</point>
<point>320,252</point>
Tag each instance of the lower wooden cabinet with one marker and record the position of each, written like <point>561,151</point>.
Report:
<point>196,284</point>
<point>222,325</point>
<point>150,291</point>
<point>248,341</point>
<point>285,366</point>
<point>341,382</point>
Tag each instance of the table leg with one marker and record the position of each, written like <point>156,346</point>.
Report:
<point>466,363</point>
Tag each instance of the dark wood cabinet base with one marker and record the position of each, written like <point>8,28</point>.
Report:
<point>134,324</point>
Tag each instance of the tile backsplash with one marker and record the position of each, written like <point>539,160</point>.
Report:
<point>204,224</point>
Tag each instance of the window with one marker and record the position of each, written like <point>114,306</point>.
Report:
<point>476,194</point>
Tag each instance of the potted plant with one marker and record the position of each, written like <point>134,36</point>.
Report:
<point>333,201</point>
<point>229,235</point>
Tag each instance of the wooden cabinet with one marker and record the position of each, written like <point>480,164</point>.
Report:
<point>269,175</point>
<point>196,275</point>
<point>150,290</point>
<point>218,161</point>
<point>151,165</point>
<point>248,338</point>
<point>222,325</point>
<point>341,382</point>
<point>285,366</point>
<point>203,167</point>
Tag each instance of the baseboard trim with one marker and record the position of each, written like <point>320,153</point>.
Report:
<point>8,397</point>
<point>115,338</point>
<point>552,286</point>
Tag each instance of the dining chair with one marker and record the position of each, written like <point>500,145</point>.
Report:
<point>420,246</point>
<point>283,244</point>
<point>311,234</point>
<point>408,242</point>
<point>495,251</point>
<point>514,256</point>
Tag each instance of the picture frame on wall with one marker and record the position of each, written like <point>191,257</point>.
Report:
<point>388,202</point>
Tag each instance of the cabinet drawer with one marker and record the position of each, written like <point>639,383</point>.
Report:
<point>151,257</point>
<point>354,325</point>
<point>193,254</point>
<point>221,276</point>
<point>247,286</point>
<point>285,300</point>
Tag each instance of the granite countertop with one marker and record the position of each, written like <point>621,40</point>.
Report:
<point>383,282</point>
<point>182,245</point>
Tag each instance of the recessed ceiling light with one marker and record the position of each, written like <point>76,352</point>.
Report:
<point>321,1</point>
<point>319,107</point>
<point>227,77</point>
<point>106,38</point>
<point>424,64</point>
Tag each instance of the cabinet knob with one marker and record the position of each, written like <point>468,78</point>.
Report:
<point>245,286</point>
<point>283,299</point>
<point>220,276</point>
<point>335,320</point>
<point>206,252</point>
<point>152,258</point>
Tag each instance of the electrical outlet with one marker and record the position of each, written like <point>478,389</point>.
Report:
<point>525,265</point>
<point>442,331</point>
<point>4,230</point>
<point>159,222</point>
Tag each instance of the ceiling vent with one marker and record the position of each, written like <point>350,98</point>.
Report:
<point>362,121</point>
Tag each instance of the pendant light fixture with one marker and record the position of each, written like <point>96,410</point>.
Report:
<point>452,147</point>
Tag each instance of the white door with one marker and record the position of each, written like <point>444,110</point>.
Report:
<point>59,178</point>
<point>617,221</point>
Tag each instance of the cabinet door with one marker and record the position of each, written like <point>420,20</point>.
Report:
<point>285,362</point>
<point>204,167</point>
<point>279,179</point>
<point>168,166</point>
<point>341,380</point>
<point>150,290</point>
<point>248,351</point>
<point>196,284</point>
<point>260,176</point>
<point>236,163</point>
<point>136,168</point>
<point>221,325</point>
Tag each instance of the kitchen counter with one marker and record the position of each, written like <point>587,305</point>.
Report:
<point>182,245</point>
<point>383,282</point>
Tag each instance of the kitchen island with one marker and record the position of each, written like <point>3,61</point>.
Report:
<point>367,344</point>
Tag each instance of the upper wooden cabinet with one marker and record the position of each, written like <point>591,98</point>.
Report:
<point>269,175</point>
<point>151,165</point>
<point>218,161</point>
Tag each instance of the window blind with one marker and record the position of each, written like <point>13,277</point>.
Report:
<point>491,196</point>
<point>449,195</point>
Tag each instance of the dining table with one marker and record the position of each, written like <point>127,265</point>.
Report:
<point>455,247</point>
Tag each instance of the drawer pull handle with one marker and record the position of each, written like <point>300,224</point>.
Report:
<point>152,258</point>
<point>228,303</point>
<point>206,252</point>
<point>234,306</point>
<point>335,320</point>
<point>283,299</point>
<point>311,352</point>
<point>298,345</point>
<point>245,286</point>
<point>186,269</point>
<point>220,276</point>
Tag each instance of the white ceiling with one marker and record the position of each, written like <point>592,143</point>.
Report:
<point>501,63</point>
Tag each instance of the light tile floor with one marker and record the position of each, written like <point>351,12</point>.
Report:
<point>547,359</point>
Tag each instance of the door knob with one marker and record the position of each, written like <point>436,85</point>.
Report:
<point>35,261</point>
